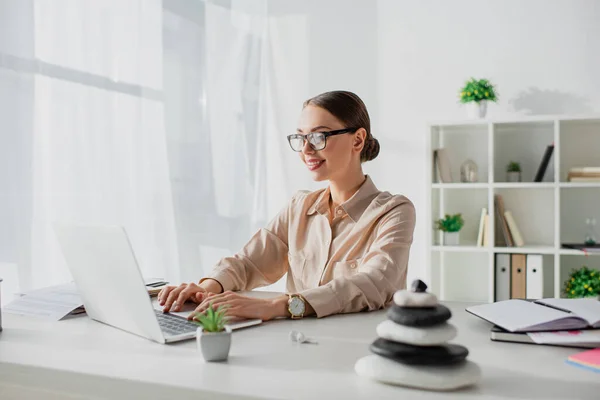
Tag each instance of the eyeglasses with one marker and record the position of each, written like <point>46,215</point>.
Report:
<point>317,140</point>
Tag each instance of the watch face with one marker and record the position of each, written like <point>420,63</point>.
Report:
<point>296,306</point>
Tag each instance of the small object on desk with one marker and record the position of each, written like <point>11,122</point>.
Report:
<point>412,348</point>
<point>299,337</point>
<point>589,359</point>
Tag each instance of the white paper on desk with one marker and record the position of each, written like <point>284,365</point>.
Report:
<point>52,303</point>
<point>559,337</point>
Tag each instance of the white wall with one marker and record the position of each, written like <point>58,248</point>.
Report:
<point>543,55</point>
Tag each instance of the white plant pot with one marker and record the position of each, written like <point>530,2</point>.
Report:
<point>451,238</point>
<point>214,346</point>
<point>513,176</point>
<point>476,110</point>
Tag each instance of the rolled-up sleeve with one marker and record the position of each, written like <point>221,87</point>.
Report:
<point>262,261</point>
<point>382,273</point>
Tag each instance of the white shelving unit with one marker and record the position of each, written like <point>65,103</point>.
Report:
<point>547,213</point>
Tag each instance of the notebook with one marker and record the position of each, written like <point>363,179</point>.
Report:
<point>589,359</point>
<point>517,315</point>
<point>498,334</point>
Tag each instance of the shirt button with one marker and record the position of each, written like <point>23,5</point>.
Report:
<point>339,211</point>
<point>353,265</point>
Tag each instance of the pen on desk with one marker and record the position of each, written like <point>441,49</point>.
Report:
<point>157,284</point>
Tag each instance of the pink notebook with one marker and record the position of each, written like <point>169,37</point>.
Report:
<point>589,359</point>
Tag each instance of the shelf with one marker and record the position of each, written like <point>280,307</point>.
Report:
<point>571,185</point>
<point>523,185</point>
<point>573,252</point>
<point>460,249</point>
<point>518,119</point>
<point>525,250</point>
<point>460,185</point>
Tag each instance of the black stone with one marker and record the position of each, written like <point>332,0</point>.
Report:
<point>419,355</point>
<point>418,286</point>
<point>411,316</point>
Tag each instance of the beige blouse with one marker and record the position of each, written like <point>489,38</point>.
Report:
<point>355,263</point>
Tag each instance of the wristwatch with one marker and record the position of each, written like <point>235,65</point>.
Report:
<point>296,306</point>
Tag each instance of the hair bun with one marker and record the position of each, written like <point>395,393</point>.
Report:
<point>372,149</point>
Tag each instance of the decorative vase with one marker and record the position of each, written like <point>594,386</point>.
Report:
<point>513,176</point>
<point>451,238</point>
<point>214,346</point>
<point>476,109</point>
<point>468,172</point>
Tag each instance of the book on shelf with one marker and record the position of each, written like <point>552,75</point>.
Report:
<point>586,248</point>
<point>539,176</point>
<point>584,174</point>
<point>442,165</point>
<point>505,239</point>
<point>520,315</point>
<point>515,233</point>
<point>482,227</point>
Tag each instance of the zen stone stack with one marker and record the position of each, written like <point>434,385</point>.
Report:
<point>412,348</point>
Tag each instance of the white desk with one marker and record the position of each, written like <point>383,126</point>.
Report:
<point>79,357</point>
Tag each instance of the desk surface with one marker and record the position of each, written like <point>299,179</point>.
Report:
<point>79,356</point>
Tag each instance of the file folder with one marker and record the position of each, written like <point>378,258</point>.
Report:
<point>502,277</point>
<point>518,276</point>
<point>535,277</point>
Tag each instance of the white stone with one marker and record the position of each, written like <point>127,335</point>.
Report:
<point>406,298</point>
<point>431,336</point>
<point>446,377</point>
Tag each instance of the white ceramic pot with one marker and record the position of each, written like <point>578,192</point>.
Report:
<point>513,176</point>
<point>451,238</point>
<point>476,110</point>
<point>214,346</point>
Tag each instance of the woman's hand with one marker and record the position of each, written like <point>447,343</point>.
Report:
<point>173,297</point>
<point>244,307</point>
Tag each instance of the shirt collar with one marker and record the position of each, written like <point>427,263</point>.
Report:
<point>355,206</point>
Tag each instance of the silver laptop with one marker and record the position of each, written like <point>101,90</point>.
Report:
<point>108,278</point>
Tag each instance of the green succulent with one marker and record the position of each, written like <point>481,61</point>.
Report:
<point>451,223</point>
<point>212,320</point>
<point>513,166</point>
<point>478,90</point>
<point>582,282</point>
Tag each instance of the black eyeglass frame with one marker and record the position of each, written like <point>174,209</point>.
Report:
<point>325,136</point>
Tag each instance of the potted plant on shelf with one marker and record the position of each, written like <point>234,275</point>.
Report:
<point>513,172</point>
<point>451,226</point>
<point>475,94</point>
<point>582,282</point>
<point>213,337</point>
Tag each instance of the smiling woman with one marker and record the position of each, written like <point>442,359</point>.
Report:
<point>344,248</point>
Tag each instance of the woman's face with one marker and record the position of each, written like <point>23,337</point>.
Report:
<point>340,150</point>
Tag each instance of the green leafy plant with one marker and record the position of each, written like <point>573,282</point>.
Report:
<point>582,282</point>
<point>478,90</point>
<point>451,223</point>
<point>513,166</point>
<point>212,320</point>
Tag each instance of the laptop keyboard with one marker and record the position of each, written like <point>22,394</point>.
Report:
<point>173,324</point>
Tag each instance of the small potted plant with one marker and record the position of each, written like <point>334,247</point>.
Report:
<point>513,172</point>
<point>582,282</point>
<point>213,337</point>
<point>451,226</point>
<point>475,94</point>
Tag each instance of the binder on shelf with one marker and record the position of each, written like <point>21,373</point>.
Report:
<point>518,277</point>
<point>539,176</point>
<point>442,164</point>
<point>514,229</point>
<point>534,277</point>
<point>502,277</point>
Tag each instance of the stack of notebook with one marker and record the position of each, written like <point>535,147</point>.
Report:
<point>518,320</point>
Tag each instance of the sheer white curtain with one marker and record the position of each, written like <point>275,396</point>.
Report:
<point>98,144</point>
<point>168,118</point>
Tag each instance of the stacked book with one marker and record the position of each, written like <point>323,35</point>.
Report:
<point>584,174</point>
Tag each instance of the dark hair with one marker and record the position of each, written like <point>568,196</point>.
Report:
<point>351,111</point>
